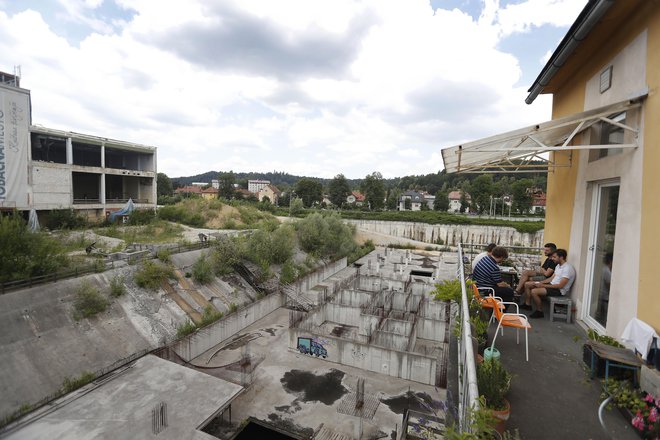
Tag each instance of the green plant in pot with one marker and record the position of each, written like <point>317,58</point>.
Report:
<point>448,290</point>
<point>479,330</point>
<point>494,382</point>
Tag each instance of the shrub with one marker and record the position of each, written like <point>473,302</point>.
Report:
<point>141,217</point>
<point>233,307</point>
<point>226,252</point>
<point>361,251</point>
<point>117,287</point>
<point>493,382</point>
<point>164,255</point>
<point>325,236</point>
<point>202,270</point>
<point>181,214</point>
<point>150,275</point>
<point>73,384</point>
<point>186,328</point>
<point>448,290</point>
<point>88,301</point>
<point>288,273</point>
<point>65,219</point>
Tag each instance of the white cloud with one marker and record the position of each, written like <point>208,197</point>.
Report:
<point>309,87</point>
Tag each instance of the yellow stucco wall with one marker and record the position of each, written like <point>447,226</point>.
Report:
<point>569,99</point>
<point>648,305</point>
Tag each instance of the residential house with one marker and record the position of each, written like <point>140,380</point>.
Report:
<point>210,193</point>
<point>413,198</point>
<point>455,201</point>
<point>355,198</point>
<point>42,169</point>
<point>271,192</point>
<point>603,151</point>
<point>538,202</point>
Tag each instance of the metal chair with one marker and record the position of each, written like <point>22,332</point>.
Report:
<point>486,302</point>
<point>515,320</point>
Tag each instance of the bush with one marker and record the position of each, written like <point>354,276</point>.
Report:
<point>117,287</point>
<point>186,328</point>
<point>65,219</point>
<point>73,384</point>
<point>151,275</point>
<point>202,270</point>
<point>226,253</point>
<point>361,251</point>
<point>88,301</point>
<point>325,236</point>
<point>164,255</point>
<point>233,307</point>
<point>181,214</point>
<point>141,217</point>
<point>25,254</point>
<point>288,273</point>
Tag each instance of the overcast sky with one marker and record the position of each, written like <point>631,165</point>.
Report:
<point>309,87</point>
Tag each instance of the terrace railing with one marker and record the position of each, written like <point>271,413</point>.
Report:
<point>468,392</point>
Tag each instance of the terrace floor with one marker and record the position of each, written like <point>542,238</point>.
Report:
<point>552,396</point>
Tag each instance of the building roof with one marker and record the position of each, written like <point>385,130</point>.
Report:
<point>121,405</point>
<point>358,196</point>
<point>210,190</point>
<point>273,188</point>
<point>456,195</point>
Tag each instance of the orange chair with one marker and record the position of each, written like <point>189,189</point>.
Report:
<point>487,302</point>
<point>516,320</point>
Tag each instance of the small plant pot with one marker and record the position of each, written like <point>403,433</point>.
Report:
<point>491,353</point>
<point>501,417</point>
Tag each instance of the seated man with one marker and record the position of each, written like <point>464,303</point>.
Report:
<point>478,257</point>
<point>558,285</point>
<point>542,272</point>
<point>487,273</point>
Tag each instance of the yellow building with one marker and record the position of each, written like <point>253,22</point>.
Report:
<point>602,155</point>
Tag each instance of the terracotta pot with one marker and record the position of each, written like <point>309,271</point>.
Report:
<point>501,416</point>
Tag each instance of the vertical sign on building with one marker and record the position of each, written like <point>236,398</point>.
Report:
<point>14,133</point>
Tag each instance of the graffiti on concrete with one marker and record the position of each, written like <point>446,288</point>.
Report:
<point>311,347</point>
<point>357,353</point>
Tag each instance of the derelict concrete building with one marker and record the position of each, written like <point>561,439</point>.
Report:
<point>45,169</point>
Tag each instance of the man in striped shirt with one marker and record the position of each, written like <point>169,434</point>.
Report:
<point>487,273</point>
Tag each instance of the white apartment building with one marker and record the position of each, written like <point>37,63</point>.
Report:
<point>254,186</point>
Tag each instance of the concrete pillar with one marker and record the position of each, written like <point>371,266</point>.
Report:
<point>102,189</point>
<point>103,155</point>
<point>69,151</point>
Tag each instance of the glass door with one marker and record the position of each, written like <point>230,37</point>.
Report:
<point>601,250</point>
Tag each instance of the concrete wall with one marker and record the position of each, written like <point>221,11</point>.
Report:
<point>206,338</point>
<point>51,186</point>
<point>410,366</point>
<point>352,298</point>
<point>431,329</point>
<point>451,234</point>
<point>340,314</point>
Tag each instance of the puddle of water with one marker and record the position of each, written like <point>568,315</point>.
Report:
<point>421,402</point>
<point>325,388</point>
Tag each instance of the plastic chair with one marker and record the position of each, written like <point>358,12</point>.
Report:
<point>486,302</point>
<point>516,320</point>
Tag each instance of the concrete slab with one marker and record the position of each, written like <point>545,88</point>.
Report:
<point>302,392</point>
<point>121,406</point>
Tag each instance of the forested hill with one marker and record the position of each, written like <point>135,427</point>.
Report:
<point>427,182</point>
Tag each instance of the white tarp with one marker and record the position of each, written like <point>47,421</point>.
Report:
<point>14,137</point>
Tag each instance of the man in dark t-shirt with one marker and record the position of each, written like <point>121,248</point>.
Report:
<point>545,271</point>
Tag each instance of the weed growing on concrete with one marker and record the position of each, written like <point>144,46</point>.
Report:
<point>185,329</point>
<point>233,307</point>
<point>89,301</point>
<point>73,384</point>
<point>22,410</point>
<point>150,275</point>
<point>202,270</point>
<point>210,316</point>
<point>361,251</point>
<point>117,287</point>
<point>288,272</point>
<point>164,255</point>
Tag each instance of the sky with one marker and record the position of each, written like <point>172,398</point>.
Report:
<point>309,87</point>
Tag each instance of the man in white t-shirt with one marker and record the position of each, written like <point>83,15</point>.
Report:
<point>557,285</point>
<point>478,258</point>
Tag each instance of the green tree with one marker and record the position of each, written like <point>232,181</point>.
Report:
<point>227,190</point>
<point>482,191</point>
<point>393,195</point>
<point>309,190</point>
<point>296,206</point>
<point>163,185</point>
<point>373,189</point>
<point>465,202</point>
<point>522,199</point>
<point>338,190</point>
<point>441,202</point>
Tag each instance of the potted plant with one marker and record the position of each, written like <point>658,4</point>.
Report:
<point>600,362</point>
<point>448,290</point>
<point>641,409</point>
<point>494,383</point>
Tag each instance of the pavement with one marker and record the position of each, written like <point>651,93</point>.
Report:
<point>552,396</point>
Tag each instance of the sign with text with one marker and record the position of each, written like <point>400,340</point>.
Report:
<point>14,139</point>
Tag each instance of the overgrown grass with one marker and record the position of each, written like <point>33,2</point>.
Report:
<point>151,274</point>
<point>209,316</point>
<point>185,329</point>
<point>73,384</point>
<point>443,218</point>
<point>89,301</point>
<point>158,231</point>
<point>202,270</point>
<point>361,251</point>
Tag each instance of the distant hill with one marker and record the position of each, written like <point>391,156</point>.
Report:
<point>279,179</point>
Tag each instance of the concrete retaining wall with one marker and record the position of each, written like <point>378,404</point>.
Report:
<point>206,338</point>
<point>431,329</point>
<point>451,234</point>
<point>341,314</point>
<point>411,366</point>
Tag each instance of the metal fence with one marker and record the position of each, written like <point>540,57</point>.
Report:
<point>468,392</point>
